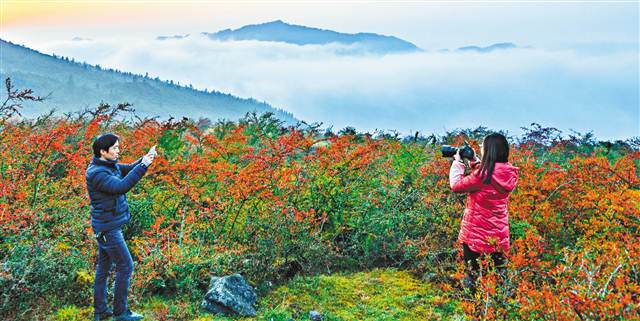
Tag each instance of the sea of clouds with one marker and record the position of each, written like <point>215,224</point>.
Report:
<point>430,91</point>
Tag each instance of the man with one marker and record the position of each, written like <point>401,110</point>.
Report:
<point>107,183</point>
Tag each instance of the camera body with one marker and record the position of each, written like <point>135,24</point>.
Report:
<point>466,152</point>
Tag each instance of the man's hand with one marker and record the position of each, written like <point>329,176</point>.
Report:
<point>152,150</point>
<point>147,159</point>
<point>150,156</point>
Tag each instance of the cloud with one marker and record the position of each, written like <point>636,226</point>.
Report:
<point>427,91</point>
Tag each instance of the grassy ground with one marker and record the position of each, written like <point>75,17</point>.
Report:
<point>375,295</point>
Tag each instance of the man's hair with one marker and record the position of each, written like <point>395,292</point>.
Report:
<point>104,142</point>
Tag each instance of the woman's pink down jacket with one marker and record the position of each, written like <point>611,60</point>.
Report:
<point>485,224</point>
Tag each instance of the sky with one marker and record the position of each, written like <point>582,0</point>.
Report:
<point>576,61</point>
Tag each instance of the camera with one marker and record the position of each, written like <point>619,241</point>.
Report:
<point>465,151</point>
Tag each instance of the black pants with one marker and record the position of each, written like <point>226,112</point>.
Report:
<point>472,266</point>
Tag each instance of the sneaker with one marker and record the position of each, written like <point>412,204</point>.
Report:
<point>128,316</point>
<point>103,316</point>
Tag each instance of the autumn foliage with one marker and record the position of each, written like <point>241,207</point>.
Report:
<point>270,202</point>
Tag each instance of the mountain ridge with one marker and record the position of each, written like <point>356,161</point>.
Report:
<point>280,31</point>
<point>75,85</point>
<point>493,47</point>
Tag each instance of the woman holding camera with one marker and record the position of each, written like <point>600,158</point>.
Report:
<point>485,224</point>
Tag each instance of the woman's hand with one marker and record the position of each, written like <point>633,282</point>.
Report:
<point>457,157</point>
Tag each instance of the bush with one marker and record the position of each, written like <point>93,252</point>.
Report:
<point>34,272</point>
<point>271,202</point>
<point>73,313</point>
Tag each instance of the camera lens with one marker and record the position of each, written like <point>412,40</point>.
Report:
<point>448,151</point>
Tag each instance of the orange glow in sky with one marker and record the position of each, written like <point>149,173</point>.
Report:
<point>20,13</point>
<point>85,13</point>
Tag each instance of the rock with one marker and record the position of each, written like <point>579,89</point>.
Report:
<point>230,295</point>
<point>429,277</point>
<point>315,316</point>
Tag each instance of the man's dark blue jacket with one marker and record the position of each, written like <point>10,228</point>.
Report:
<point>107,183</point>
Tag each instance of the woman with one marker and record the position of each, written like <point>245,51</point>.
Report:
<point>485,224</point>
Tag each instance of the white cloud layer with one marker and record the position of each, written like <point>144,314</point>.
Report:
<point>427,92</point>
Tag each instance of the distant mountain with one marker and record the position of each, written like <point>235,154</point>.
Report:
<point>75,85</point>
<point>80,39</point>
<point>172,37</point>
<point>497,46</point>
<point>280,31</point>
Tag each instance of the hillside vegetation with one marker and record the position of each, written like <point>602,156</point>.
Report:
<point>71,85</point>
<point>275,203</point>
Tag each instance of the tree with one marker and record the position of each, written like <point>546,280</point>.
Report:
<point>15,98</point>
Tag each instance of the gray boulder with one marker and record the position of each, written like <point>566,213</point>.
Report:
<point>315,316</point>
<point>230,295</point>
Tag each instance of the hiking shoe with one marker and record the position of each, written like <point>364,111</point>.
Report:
<point>103,316</point>
<point>128,316</point>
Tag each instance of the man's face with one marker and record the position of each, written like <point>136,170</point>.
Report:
<point>113,153</point>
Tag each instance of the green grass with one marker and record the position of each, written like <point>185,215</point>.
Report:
<point>375,295</point>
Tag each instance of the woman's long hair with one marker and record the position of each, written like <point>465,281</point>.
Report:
<point>495,149</point>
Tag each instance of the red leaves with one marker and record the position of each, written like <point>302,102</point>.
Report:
<point>156,226</point>
<point>574,220</point>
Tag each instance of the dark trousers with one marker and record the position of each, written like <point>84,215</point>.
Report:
<point>472,266</point>
<point>112,250</point>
